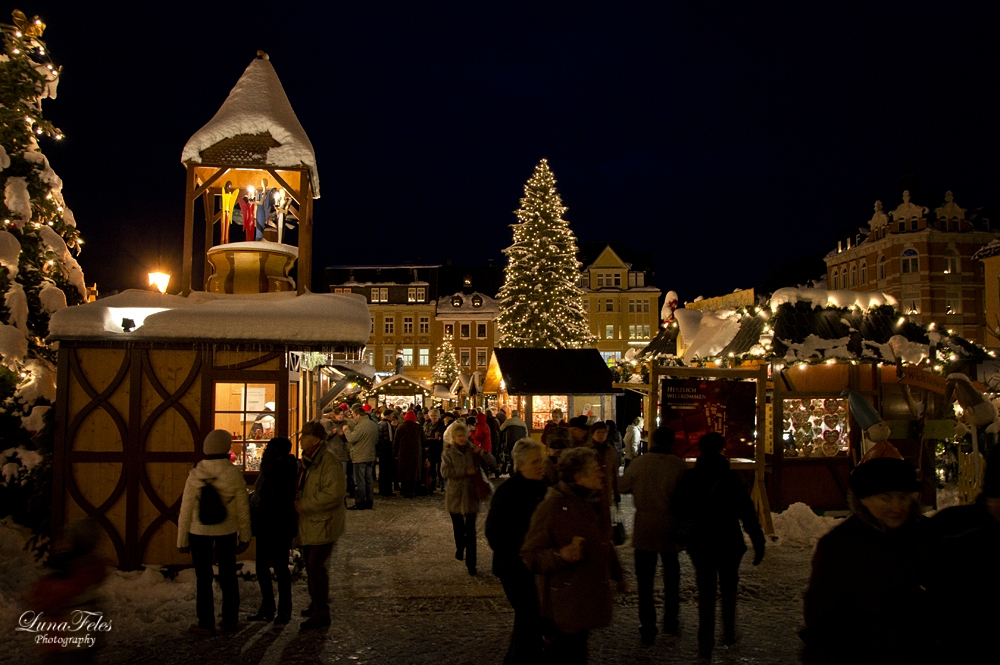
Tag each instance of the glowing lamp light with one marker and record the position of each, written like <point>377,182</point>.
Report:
<point>160,280</point>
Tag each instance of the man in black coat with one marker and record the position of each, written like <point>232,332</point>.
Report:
<point>506,525</point>
<point>711,502</point>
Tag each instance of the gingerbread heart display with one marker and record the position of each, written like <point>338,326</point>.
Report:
<point>831,421</point>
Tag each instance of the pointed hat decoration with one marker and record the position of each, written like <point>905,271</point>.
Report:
<point>862,411</point>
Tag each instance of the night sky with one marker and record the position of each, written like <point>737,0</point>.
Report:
<point>726,140</point>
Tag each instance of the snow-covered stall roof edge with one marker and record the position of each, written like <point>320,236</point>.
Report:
<point>312,319</point>
<point>830,298</point>
<point>258,104</point>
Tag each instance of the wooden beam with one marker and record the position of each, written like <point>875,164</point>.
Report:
<point>208,200</point>
<point>304,282</point>
<point>288,188</point>
<point>187,259</point>
<point>208,183</point>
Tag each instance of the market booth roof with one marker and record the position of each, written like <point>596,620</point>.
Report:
<point>308,321</point>
<point>400,384</point>
<point>554,372</point>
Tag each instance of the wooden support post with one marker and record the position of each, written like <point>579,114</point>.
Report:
<point>304,281</point>
<point>208,200</point>
<point>759,490</point>
<point>187,259</point>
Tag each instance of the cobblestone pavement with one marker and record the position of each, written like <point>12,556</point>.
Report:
<point>399,596</point>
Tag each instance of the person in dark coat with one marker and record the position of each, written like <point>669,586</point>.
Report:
<point>615,439</point>
<point>408,448</point>
<point>494,426</point>
<point>434,428</point>
<point>969,536</point>
<point>386,460</point>
<point>866,598</point>
<point>711,503</point>
<point>274,523</point>
<point>606,457</point>
<point>570,549</point>
<point>510,514</point>
<point>653,480</point>
<point>512,430</point>
<point>558,441</point>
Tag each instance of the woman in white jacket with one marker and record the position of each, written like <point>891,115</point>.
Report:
<point>222,541</point>
<point>633,437</point>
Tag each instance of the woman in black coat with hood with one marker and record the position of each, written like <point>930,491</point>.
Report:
<point>711,502</point>
<point>275,523</point>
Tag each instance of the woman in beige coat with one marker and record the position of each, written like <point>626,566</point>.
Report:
<point>460,463</point>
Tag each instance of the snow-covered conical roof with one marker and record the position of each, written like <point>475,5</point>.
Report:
<point>257,106</point>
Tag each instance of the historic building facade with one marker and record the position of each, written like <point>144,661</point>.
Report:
<point>623,308</point>
<point>471,320</point>
<point>922,259</point>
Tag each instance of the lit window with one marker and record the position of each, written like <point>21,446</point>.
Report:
<point>408,326</point>
<point>480,357</point>
<point>411,295</point>
<point>425,357</point>
<point>375,295</point>
<point>910,261</point>
<point>465,357</point>
<point>338,290</point>
<point>425,325</point>
<point>609,332</point>
<point>390,325</point>
<point>467,280</point>
<point>481,330</point>
<point>464,329</point>
<point>449,329</point>
<point>408,357</point>
<point>421,294</point>
<point>389,358</point>
<point>477,301</point>
<point>645,332</point>
<point>631,331</point>
<point>952,303</point>
<point>456,301</point>
<point>370,357</point>
<point>246,410</point>
<point>951,262</point>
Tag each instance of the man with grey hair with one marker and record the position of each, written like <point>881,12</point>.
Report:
<point>510,515</point>
<point>361,433</point>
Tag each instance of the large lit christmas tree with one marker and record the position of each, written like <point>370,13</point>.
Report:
<point>38,272</point>
<point>540,303</point>
<point>445,366</point>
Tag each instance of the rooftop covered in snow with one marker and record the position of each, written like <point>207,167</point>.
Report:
<point>312,320</point>
<point>255,126</point>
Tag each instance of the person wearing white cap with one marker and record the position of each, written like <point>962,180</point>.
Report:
<point>214,523</point>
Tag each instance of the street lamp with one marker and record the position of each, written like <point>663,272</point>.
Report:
<point>160,280</point>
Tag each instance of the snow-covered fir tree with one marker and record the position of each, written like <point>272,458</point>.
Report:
<point>445,366</point>
<point>541,305</point>
<point>38,271</point>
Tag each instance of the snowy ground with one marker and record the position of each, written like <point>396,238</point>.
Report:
<point>399,596</point>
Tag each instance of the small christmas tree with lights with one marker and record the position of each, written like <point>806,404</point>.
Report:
<point>540,303</point>
<point>445,366</point>
<point>38,271</point>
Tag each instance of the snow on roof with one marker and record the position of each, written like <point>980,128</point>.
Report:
<point>715,331</point>
<point>825,298</point>
<point>258,104</point>
<point>312,319</point>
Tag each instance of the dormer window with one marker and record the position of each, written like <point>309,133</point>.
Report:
<point>456,301</point>
<point>477,301</point>
<point>467,280</point>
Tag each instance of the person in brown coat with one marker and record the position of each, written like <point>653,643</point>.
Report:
<point>558,441</point>
<point>407,446</point>
<point>607,458</point>
<point>570,550</point>
<point>652,480</point>
<point>460,463</point>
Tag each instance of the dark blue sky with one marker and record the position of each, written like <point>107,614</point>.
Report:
<point>725,140</point>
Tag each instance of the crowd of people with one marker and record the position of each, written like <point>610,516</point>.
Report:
<point>553,527</point>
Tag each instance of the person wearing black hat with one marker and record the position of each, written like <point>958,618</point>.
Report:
<point>969,536</point>
<point>867,593</point>
<point>579,431</point>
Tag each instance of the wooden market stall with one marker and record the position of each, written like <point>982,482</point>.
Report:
<point>401,390</point>
<point>144,376</point>
<point>538,381</point>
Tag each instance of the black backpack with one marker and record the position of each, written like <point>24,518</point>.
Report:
<point>211,509</point>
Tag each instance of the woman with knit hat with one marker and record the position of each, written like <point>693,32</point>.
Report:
<point>220,540</point>
<point>867,592</point>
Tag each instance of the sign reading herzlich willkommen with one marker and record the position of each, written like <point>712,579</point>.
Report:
<point>694,407</point>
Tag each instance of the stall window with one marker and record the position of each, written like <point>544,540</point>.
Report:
<point>465,355</point>
<point>425,357</point>
<point>481,357</point>
<point>425,325</point>
<point>246,410</point>
<point>408,357</point>
<point>542,407</point>
<point>814,427</point>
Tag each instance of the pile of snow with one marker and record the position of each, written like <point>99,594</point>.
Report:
<point>10,252</point>
<point>800,526</point>
<point>40,381</point>
<point>16,301</point>
<point>4,159</point>
<point>55,243</point>
<point>17,200</point>
<point>258,105</point>
<point>814,346</point>
<point>18,565</point>
<point>825,298</point>
<point>715,330</point>
<point>324,319</point>
<point>13,345</point>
